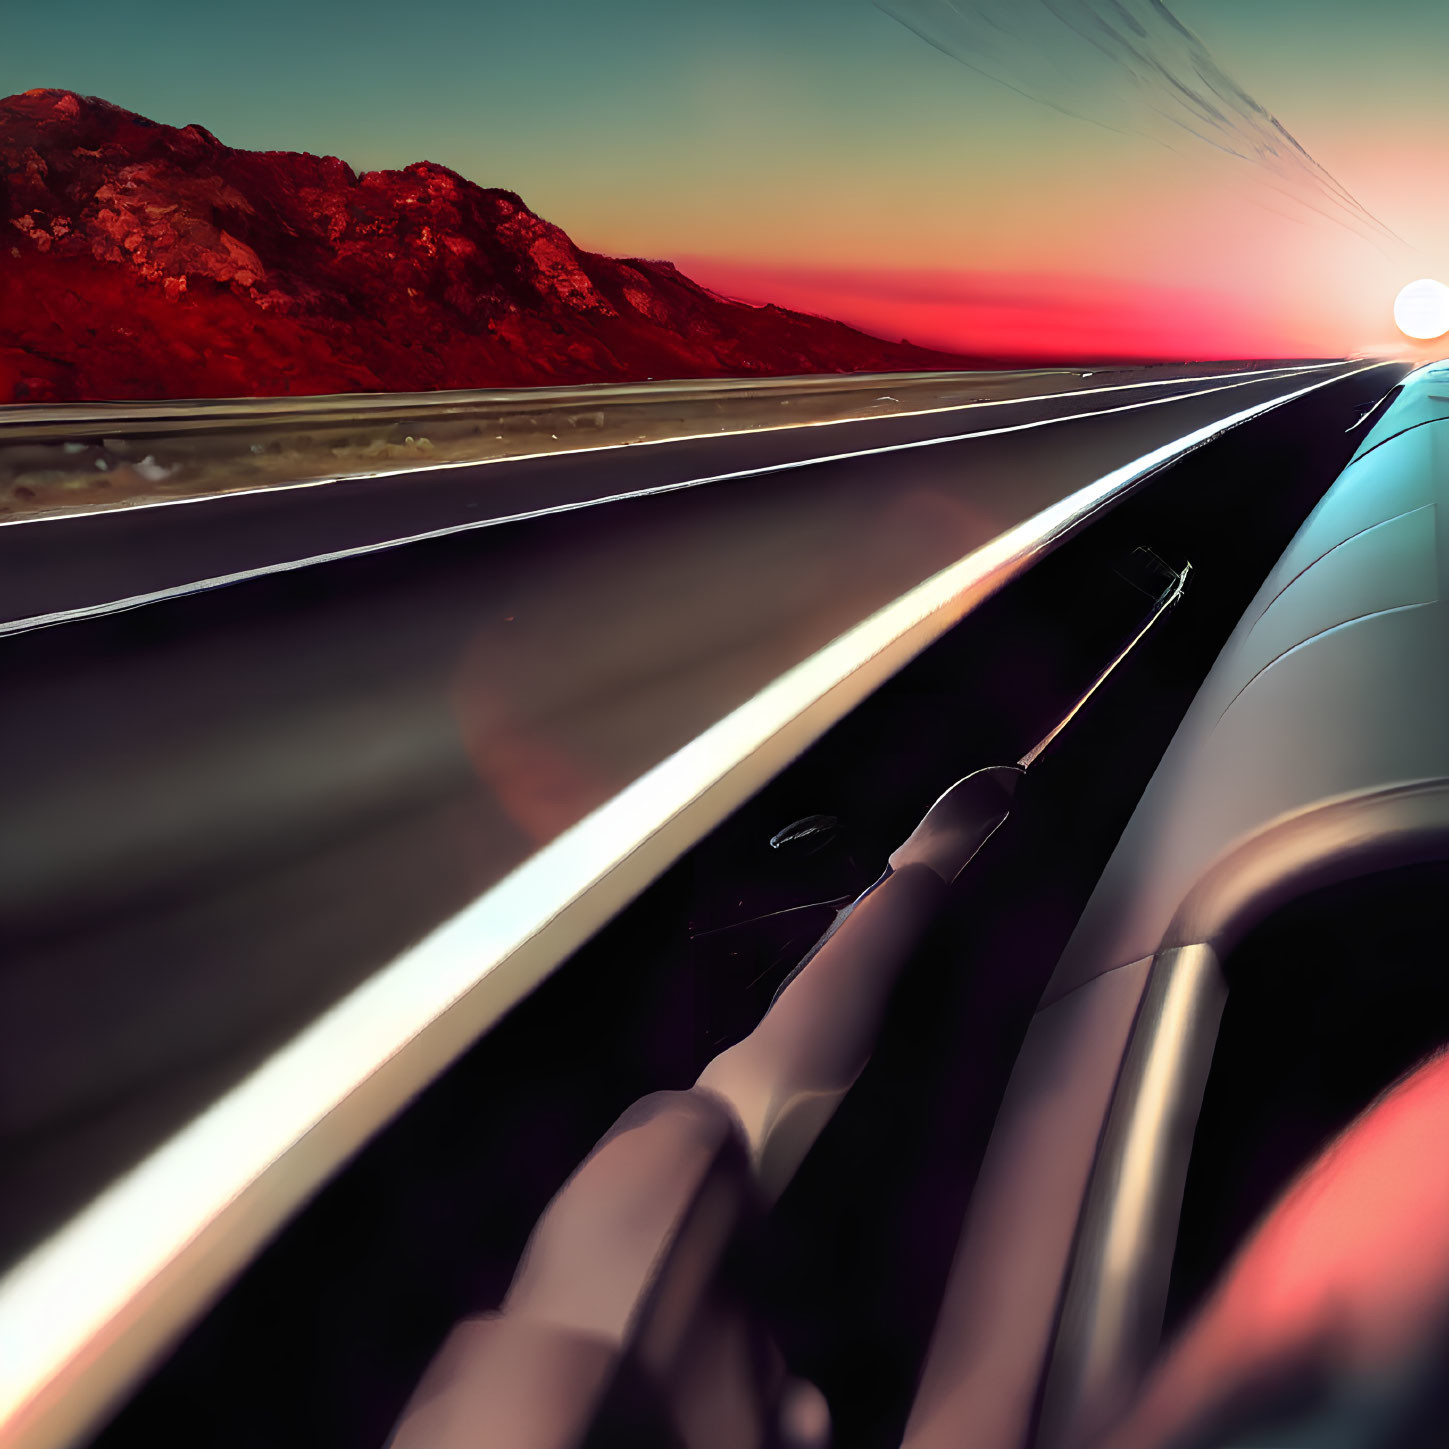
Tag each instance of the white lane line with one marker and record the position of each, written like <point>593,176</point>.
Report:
<point>83,1315</point>
<point>783,427</point>
<point>180,591</point>
<point>344,404</point>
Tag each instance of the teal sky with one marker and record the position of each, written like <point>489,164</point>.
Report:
<point>815,134</point>
<point>587,110</point>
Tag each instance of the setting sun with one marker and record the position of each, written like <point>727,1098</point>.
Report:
<point>1421,309</point>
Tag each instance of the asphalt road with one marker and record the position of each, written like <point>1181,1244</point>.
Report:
<point>226,808</point>
<point>52,567</point>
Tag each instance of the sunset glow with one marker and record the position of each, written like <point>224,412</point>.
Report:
<point>824,156</point>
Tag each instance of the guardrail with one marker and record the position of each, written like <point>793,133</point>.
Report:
<point>64,458</point>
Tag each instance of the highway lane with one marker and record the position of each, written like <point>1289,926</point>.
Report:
<point>53,567</point>
<point>226,809</point>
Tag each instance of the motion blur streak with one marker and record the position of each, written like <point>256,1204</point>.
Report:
<point>1132,66</point>
<point>105,1293</point>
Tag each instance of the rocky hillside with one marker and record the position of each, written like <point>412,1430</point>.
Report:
<point>139,261</point>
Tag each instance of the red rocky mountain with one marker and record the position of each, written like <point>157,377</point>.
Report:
<point>142,261</point>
